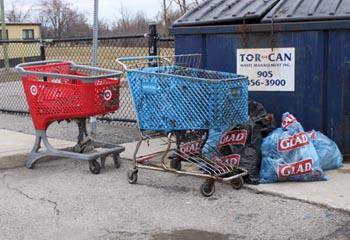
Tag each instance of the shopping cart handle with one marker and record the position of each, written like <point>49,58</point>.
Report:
<point>138,58</point>
<point>90,78</point>
<point>20,67</point>
<point>121,61</point>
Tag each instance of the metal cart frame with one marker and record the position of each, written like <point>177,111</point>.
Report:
<point>85,143</point>
<point>209,170</point>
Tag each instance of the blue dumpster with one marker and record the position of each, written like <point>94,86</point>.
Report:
<point>295,53</point>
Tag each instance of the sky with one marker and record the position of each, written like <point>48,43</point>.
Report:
<point>108,9</point>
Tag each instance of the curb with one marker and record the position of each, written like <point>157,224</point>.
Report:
<point>285,196</point>
<point>13,161</point>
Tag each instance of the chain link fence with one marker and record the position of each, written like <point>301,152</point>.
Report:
<point>12,98</point>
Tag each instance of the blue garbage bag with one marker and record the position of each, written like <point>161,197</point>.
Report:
<point>289,155</point>
<point>210,149</point>
<point>327,150</point>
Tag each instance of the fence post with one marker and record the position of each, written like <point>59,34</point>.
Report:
<point>152,40</point>
<point>42,50</point>
<point>43,55</point>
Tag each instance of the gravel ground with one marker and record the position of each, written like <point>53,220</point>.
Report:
<point>61,200</point>
<point>68,131</point>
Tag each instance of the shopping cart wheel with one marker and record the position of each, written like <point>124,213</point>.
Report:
<point>175,163</point>
<point>208,188</point>
<point>94,167</point>
<point>116,159</point>
<point>237,183</point>
<point>132,176</point>
<point>30,165</point>
<point>103,162</point>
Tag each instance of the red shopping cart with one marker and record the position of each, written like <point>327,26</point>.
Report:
<point>62,90</point>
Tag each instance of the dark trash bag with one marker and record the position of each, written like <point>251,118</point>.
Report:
<point>188,144</point>
<point>261,118</point>
<point>245,141</point>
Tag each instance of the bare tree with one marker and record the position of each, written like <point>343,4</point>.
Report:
<point>104,29</point>
<point>16,14</point>
<point>140,22</point>
<point>197,2</point>
<point>182,5</point>
<point>166,9</point>
<point>172,9</point>
<point>124,23</point>
<point>60,20</point>
<point>130,24</point>
<point>162,26</point>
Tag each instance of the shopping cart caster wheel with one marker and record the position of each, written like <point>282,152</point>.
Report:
<point>87,149</point>
<point>94,167</point>
<point>116,160</point>
<point>175,163</point>
<point>132,176</point>
<point>237,183</point>
<point>30,166</point>
<point>77,149</point>
<point>208,188</point>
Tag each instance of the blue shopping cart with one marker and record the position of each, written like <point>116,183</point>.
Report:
<point>173,95</point>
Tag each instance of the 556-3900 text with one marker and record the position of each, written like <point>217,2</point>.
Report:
<point>265,78</point>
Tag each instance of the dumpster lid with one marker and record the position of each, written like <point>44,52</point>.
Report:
<point>222,11</point>
<point>308,10</point>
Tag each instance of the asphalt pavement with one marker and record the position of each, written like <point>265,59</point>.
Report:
<point>61,199</point>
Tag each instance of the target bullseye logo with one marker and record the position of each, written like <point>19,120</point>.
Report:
<point>107,95</point>
<point>33,90</point>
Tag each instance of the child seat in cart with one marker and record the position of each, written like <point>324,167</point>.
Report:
<point>62,90</point>
<point>174,96</point>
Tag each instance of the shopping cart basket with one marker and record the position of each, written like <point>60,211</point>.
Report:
<point>62,90</point>
<point>174,96</point>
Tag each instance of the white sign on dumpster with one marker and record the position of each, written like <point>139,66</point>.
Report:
<point>268,69</point>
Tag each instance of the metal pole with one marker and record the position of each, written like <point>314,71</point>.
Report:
<point>42,54</point>
<point>3,34</point>
<point>42,50</point>
<point>152,43</point>
<point>94,56</point>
